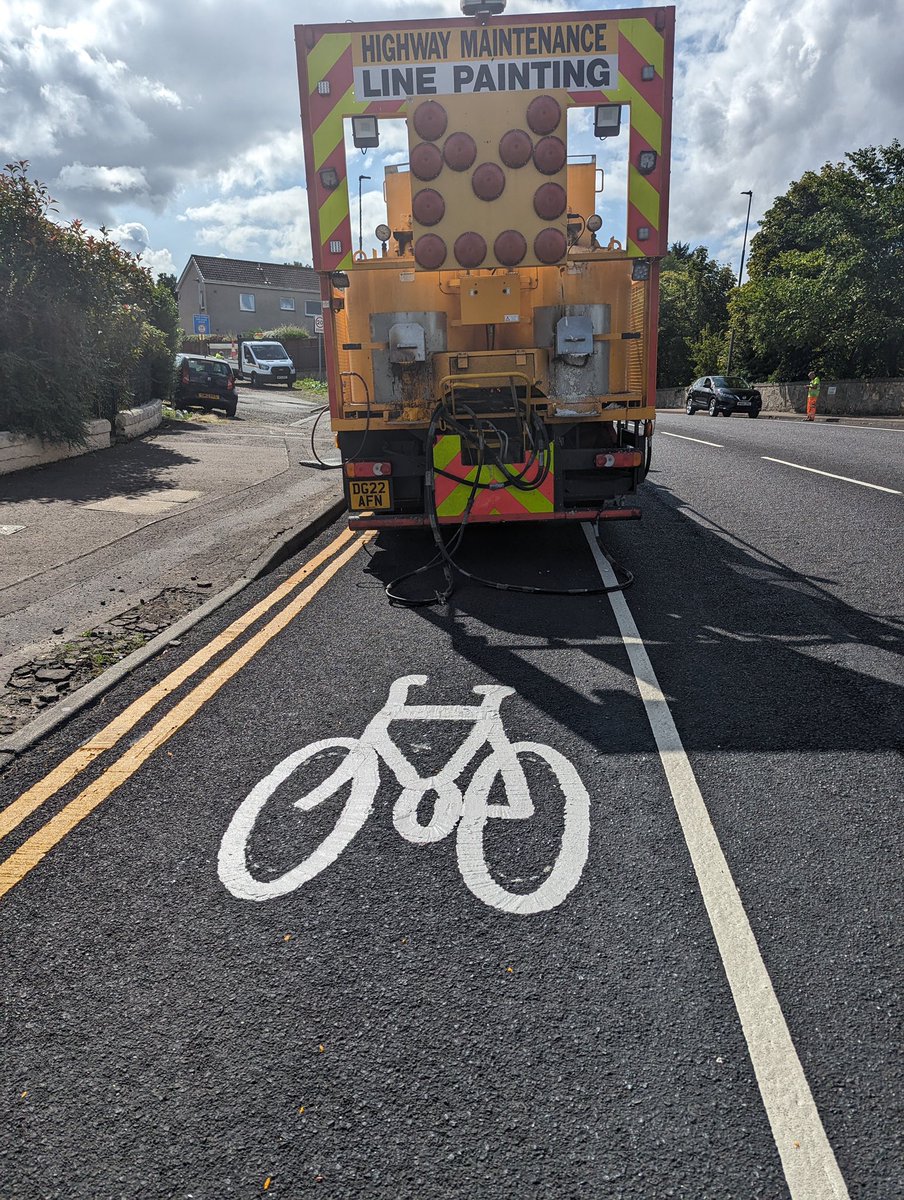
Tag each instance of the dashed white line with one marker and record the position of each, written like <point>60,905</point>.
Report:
<point>828,474</point>
<point>807,1157</point>
<point>685,438</point>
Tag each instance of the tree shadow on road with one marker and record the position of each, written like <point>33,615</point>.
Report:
<point>752,655</point>
<point>128,469</point>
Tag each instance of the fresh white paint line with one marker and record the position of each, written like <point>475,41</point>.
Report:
<point>807,1158</point>
<point>685,438</point>
<point>828,474</point>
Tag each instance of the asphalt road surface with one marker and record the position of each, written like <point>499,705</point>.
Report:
<point>297,911</point>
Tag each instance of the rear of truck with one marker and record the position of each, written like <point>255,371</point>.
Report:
<point>492,357</point>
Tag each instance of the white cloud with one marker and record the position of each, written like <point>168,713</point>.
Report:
<point>136,239</point>
<point>272,157</point>
<point>132,236</point>
<point>158,261</point>
<point>147,112</point>
<point>766,91</point>
<point>105,179</point>
<point>271,226</point>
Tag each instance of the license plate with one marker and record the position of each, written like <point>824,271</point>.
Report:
<point>208,396</point>
<point>368,493</point>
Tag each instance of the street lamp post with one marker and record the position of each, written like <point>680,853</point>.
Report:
<point>361,178</point>
<point>749,195</point>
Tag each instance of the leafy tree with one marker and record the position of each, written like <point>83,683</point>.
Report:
<point>825,273</point>
<point>693,297</point>
<point>169,281</point>
<point>83,329</point>
<point>708,353</point>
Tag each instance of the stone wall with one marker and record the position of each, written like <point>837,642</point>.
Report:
<point>850,397</point>
<point>18,452</point>
<point>133,422</point>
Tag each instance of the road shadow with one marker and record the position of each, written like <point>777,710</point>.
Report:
<point>752,655</point>
<point>126,469</point>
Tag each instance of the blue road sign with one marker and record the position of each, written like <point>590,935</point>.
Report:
<point>202,323</point>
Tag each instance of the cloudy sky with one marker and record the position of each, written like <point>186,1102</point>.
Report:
<point>176,124</point>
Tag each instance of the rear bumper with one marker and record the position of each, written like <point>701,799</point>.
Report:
<point>419,520</point>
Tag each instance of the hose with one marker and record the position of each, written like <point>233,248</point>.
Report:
<point>538,438</point>
<point>320,463</point>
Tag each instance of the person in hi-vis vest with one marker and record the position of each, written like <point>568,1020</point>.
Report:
<point>812,395</point>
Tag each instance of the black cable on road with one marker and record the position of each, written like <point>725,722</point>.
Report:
<point>535,434</point>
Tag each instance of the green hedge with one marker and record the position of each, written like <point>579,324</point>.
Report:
<point>84,331</point>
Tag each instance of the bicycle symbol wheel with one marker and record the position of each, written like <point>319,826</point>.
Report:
<point>360,766</point>
<point>565,871</point>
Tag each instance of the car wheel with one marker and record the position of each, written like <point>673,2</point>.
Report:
<point>754,412</point>
<point>713,410</point>
<point>229,408</point>
<point>290,384</point>
<point>689,408</point>
<point>254,380</point>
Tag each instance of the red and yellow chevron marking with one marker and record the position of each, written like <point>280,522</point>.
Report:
<point>330,62</point>
<point>640,43</point>
<point>502,503</point>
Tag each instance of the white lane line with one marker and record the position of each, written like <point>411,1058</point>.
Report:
<point>807,1158</point>
<point>685,438</point>
<point>829,475</point>
<point>867,428</point>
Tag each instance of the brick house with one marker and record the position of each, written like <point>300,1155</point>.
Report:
<point>241,296</point>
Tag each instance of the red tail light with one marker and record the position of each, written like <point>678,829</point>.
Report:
<point>230,382</point>
<point>368,470</point>
<point>185,372</point>
<point>619,458</point>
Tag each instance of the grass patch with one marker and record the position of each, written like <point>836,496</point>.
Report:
<point>311,385</point>
<point>179,414</point>
<point>105,656</point>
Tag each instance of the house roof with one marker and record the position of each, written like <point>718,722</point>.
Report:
<point>256,274</point>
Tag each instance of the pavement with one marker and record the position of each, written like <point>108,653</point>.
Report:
<point>134,537</point>
<point>676,973</point>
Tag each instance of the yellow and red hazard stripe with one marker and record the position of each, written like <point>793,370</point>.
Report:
<point>502,503</point>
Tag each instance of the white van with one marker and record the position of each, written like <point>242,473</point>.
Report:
<point>264,362</point>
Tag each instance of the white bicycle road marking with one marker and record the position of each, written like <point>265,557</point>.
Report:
<point>470,811</point>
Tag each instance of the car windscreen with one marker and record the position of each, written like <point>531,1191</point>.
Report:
<point>269,353</point>
<point>735,382</point>
<point>197,369</point>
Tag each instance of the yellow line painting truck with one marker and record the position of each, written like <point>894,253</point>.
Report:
<point>494,357</point>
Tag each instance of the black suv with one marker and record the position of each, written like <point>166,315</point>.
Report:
<point>722,395</point>
<point>208,382</point>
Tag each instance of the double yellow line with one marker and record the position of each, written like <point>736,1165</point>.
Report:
<point>14,868</point>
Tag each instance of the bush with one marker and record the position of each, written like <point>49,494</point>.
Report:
<point>83,329</point>
<point>284,332</point>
